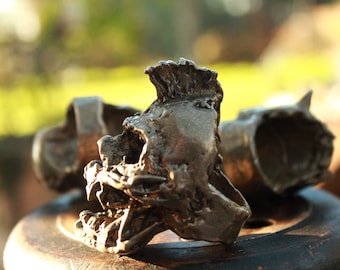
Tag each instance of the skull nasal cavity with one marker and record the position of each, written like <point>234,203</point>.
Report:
<point>135,146</point>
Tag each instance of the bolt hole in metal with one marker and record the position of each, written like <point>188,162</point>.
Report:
<point>256,223</point>
<point>275,216</point>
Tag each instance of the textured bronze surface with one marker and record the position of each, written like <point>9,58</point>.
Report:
<point>164,171</point>
<point>276,150</point>
<point>61,152</point>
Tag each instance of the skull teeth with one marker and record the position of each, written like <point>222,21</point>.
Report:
<point>121,170</point>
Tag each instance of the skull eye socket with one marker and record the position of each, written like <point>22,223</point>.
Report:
<point>136,142</point>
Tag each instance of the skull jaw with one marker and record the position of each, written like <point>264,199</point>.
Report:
<point>215,218</point>
<point>221,221</point>
<point>197,210</point>
<point>121,232</point>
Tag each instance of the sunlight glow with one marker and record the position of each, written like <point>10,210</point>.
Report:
<point>7,5</point>
<point>27,28</point>
<point>19,18</point>
<point>241,7</point>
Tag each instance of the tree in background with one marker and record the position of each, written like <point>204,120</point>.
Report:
<point>44,37</point>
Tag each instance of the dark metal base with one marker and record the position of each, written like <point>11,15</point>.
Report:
<point>298,233</point>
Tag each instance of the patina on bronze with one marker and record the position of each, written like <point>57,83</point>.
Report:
<point>61,152</point>
<point>276,150</point>
<point>164,171</point>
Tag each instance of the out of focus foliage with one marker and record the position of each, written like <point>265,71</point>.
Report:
<point>45,37</point>
<point>52,51</point>
<point>24,110</point>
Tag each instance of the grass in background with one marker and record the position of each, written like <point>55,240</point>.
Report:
<point>26,109</point>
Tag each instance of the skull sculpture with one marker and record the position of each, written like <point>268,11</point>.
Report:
<point>164,171</point>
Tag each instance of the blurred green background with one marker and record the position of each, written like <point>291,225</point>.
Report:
<point>266,52</point>
<point>52,51</point>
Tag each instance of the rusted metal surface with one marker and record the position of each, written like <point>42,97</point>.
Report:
<point>276,150</point>
<point>61,152</point>
<point>312,242</point>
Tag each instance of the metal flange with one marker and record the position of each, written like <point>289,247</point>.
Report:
<point>301,232</point>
